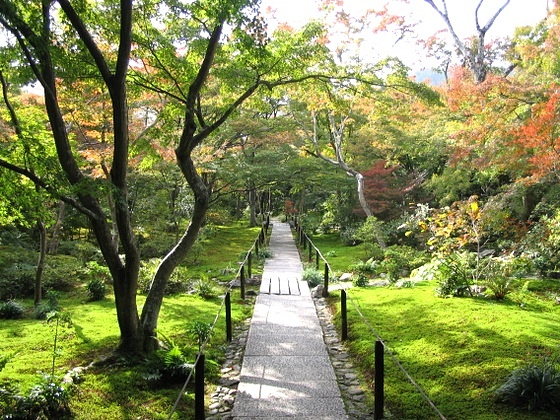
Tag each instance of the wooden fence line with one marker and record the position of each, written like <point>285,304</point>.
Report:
<point>199,365</point>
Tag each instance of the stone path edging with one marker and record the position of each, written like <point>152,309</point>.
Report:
<point>223,398</point>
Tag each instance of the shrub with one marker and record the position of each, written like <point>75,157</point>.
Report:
<point>364,267</point>
<point>372,250</point>
<point>47,305</point>
<point>96,289</point>
<point>48,399</point>
<point>497,278</point>
<point>204,288</point>
<point>200,332</point>
<point>147,270</point>
<point>62,272</point>
<point>500,286</point>
<point>533,387</point>
<point>11,310</point>
<point>265,252</point>
<point>454,275</point>
<point>348,236</point>
<point>82,250</point>
<point>360,280</point>
<point>313,276</point>
<point>169,364</point>
<point>400,260</point>
<point>17,280</point>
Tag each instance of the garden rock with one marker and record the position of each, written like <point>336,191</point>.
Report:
<point>317,291</point>
<point>345,277</point>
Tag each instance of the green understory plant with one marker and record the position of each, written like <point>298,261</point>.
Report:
<point>169,364</point>
<point>453,275</point>
<point>96,289</point>
<point>48,304</point>
<point>200,332</point>
<point>204,287</point>
<point>11,309</point>
<point>533,387</point>
<point>313,276</point>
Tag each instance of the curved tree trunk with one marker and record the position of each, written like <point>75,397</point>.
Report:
<point>336,131</point>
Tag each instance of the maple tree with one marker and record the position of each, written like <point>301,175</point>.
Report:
<point>182,56</point>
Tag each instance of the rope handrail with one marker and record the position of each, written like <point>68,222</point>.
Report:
<point>394,358</point>
<point>213,325</point>
<point>262,233</point>
<point>310,241</point>
<point>391,354</point>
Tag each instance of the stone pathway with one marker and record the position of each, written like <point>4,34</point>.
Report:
<point>281,364</point>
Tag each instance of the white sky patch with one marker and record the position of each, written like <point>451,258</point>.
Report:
<point>461,12</point>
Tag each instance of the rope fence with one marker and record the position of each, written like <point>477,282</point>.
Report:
<point>198,371</point>
<point>380,346</point>
<point>306,243</point>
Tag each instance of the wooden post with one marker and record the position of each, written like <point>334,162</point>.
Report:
<point>229,328</point>
<point>199,388</point>
<point>242,282</point>
<point>249,264</point>
<point>343,316</point>
<point>317,259</point>
<point>379,393</point>
<point>257,248</point>
<point>310,253</point>
<point>326,281</point>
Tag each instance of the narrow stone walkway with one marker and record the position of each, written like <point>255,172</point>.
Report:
<point>286,371</point>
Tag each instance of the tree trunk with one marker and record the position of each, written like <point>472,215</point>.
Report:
<point>53,244</point>
<point>37,295</point>
<point>154,300</point>
<point>252,207</point>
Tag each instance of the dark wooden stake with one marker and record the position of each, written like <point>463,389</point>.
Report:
<point>343,316</point>
<point>199,389</point>
<point>326,281</point>
<point>242,282</point>
<point>249,264</point>
<point>229,327</point>
<point>379,381</point>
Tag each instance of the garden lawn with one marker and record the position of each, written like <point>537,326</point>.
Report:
<point>339,256</point>
<point>458,350</point>
<point>118,392</point>
<point>121,391</point>
<point>220,250</point>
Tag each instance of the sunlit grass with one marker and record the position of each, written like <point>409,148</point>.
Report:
<point>340,257</point>
<point>458,350</point>
<point>122,392</point>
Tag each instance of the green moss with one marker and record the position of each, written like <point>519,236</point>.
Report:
<point>117,393</point>
<point>458,350</point>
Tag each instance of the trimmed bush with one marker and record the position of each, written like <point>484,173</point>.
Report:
<point>17,281</point>
<point>62,272</point>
